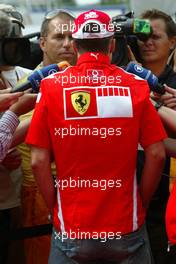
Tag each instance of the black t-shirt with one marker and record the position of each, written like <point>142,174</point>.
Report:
<point>168,77</point>
<point>161,195</point>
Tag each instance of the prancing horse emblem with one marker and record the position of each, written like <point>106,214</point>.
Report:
<point>80,101</point>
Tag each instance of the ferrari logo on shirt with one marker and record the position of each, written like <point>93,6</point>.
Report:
<point>80,101</point>
<point>83,102</point>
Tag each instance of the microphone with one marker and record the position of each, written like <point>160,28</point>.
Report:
<point>33,80</point>
<point>152,80</point>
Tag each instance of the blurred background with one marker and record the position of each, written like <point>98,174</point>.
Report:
<point>33,11</point>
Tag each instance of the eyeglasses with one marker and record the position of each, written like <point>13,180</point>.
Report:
<point>52,14</point>
<point>14,14</point>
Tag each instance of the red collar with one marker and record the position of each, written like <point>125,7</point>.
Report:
<point>93,57</point>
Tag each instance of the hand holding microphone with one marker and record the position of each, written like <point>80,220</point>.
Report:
<point>169,98</point>
<point>33,80</point>
<point>152,80</point>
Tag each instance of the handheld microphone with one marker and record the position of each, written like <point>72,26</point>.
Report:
<point>33,80</point>
<point>152,80</point>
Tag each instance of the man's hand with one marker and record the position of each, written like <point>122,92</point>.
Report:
<point>25,104</point>
<point>5,91</point>
<point>12,160</point>
<point>6,100</point>
<point>168,99</point>
<point>2,84</point>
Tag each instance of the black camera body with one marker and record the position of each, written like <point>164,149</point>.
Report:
<point>127,31</point>
<point>36,55</point>
<point>14,51</point>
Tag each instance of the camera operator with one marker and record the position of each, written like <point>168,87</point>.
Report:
<point>154,53</point>
<point>10,167</point>
<point>10,75</point>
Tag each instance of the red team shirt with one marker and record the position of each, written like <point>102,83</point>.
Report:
<point>105,119</point>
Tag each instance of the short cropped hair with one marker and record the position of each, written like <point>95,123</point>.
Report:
<point>157,14</point>
<point>45,24</point>
<point>92,45</point>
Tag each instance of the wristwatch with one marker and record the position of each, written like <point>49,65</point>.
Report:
<point>158,105</point>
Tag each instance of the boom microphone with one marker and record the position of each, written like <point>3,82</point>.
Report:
<point>33,80</point>
<point>152,80</point>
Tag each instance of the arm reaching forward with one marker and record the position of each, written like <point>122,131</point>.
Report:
<point>41,166</point>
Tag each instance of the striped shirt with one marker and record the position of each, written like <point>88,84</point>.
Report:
<point>8,125</point>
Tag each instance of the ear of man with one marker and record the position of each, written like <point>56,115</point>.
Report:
<point>74,47</point>
<point>112,45</point>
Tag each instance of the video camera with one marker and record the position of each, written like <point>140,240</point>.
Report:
<point>127,31</point>
<point>36,55</point>
<point>14,51</point>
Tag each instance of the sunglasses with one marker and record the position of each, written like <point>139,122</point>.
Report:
<point>52,14</point>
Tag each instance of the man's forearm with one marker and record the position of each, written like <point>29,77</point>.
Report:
<point>154,162</point>
<point>168,117</point>
<point>41,167</point>
<point>20,133</point>
<point>46,186</point>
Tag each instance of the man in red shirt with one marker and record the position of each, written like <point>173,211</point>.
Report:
<point>92,117</point>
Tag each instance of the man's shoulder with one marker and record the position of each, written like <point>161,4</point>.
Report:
<point>57,75</point>
<point>129,79</point>
<point>130,76</point>
<point>51,83</point>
